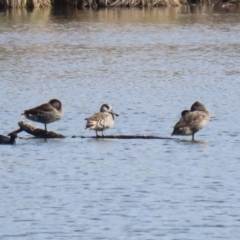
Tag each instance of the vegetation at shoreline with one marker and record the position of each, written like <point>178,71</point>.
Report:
<point>95,4</point>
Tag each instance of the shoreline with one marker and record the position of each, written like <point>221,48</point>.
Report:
<point>101,4</point>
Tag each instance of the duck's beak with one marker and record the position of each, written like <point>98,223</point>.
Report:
<point>115,113</point>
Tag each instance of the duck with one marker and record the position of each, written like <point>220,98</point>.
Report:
<point>7,140</point>
<point>192,120</point>
<point>102,120</point>
<point>45,113</point>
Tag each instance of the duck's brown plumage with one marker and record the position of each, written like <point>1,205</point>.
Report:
<point>192,121</point>
<point>45,113</point>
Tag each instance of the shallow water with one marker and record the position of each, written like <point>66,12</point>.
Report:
<point>149,65</point>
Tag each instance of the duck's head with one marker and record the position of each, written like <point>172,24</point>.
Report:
<point>107,108</point>
<point>197,106</point>
<point>56,104</point>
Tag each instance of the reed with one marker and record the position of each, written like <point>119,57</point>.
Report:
<point>25,3</point>
<point>117,3</point>
<point>95,4</point>
<point>83,3</point>
<point>138,3</point>
<point>13,3</point>
<point>40,3</point>
<point>141,3</point>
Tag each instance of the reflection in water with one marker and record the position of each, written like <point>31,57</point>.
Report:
<point>148,64</point>
<point>193,142</point>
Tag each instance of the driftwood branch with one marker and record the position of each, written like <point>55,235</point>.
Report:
<point>126,137</point>
<point>37,132</point>
<point>40,133</point>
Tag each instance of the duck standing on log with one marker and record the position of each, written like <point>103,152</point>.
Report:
<point>192,120</point>
<point>45,113</point>
<point>101,120</point>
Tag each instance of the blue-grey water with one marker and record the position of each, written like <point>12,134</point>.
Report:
<point>149,65</point>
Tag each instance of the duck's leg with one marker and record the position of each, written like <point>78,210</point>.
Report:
<point>193,138</point>
<point>45,131</point>
<point>102,133</point>
<point>96,135</point>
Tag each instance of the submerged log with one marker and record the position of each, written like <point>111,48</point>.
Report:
<point>127,137</point>
<point>36,132</point>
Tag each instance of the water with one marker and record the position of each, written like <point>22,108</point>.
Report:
<point>149,65</point>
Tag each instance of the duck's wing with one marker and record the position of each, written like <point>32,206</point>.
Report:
<point>191,119</point>
<point>46,107</point>
<point>97,120</point>
<point>97,117</point>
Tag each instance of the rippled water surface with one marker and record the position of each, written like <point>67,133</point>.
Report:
<point>149,65</point>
